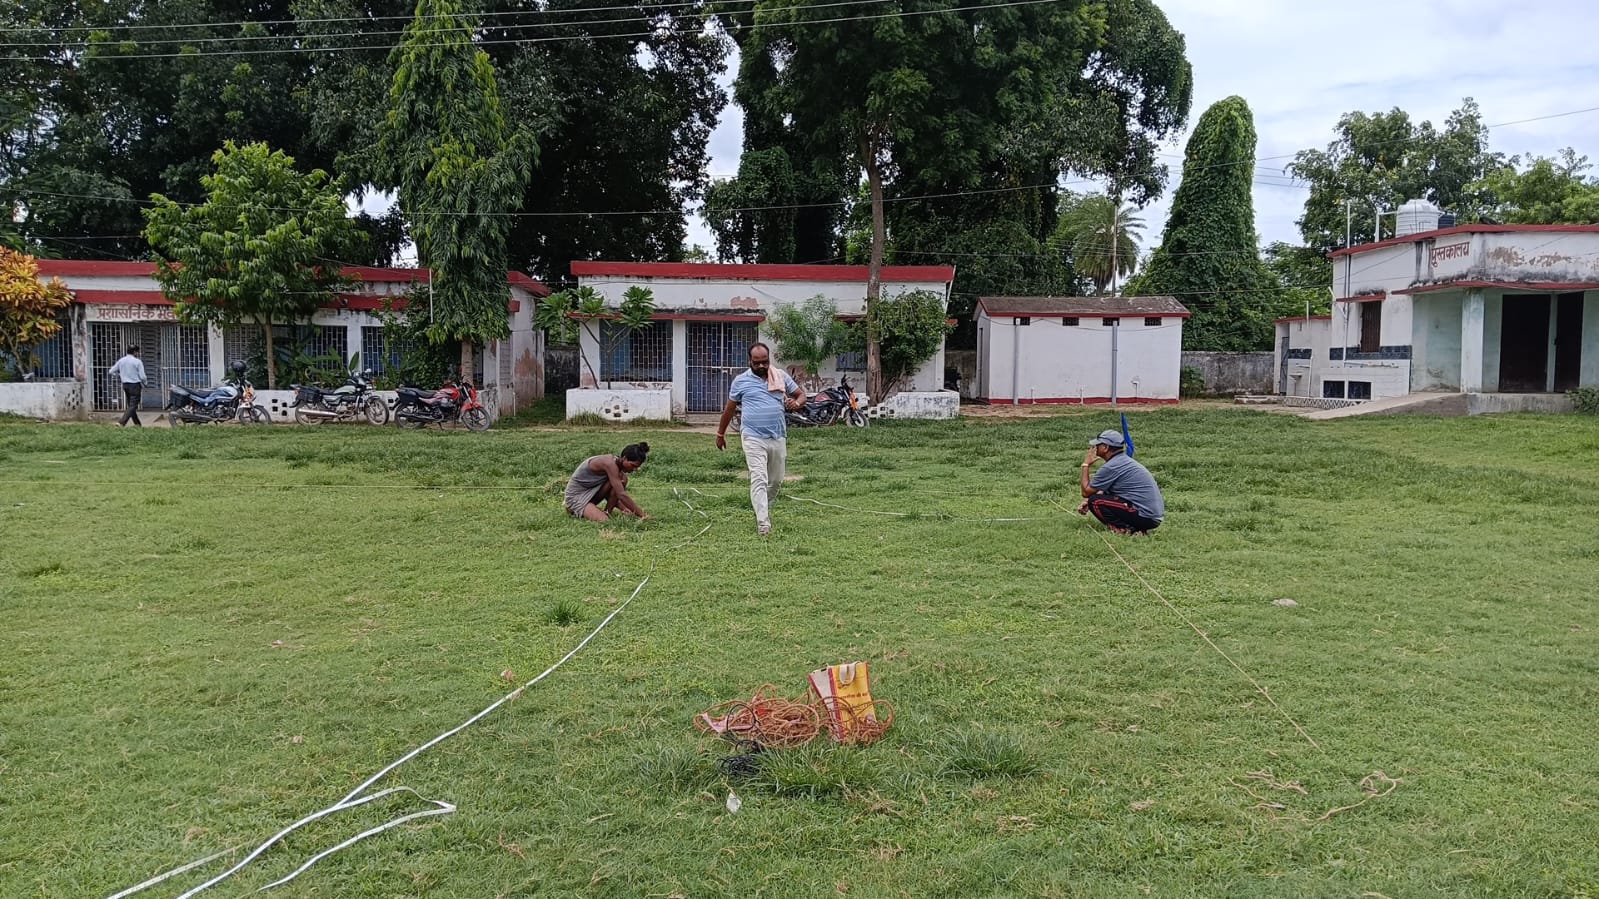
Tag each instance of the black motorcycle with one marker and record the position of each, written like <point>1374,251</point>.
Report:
<point>354,400</point>
<point>828,407</point>
<point>233,399</point>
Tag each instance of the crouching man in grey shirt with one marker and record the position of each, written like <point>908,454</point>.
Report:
<point>1122,493</point>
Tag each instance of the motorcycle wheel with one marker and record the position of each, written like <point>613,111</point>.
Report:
<point>476,419</point>
<point>257,415</point>
<point>412,423</point>
<point>174,418</point>
<point>377,411</point>
<point>857,418</point>
<point>301,418</point>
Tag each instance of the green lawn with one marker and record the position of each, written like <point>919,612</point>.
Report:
<point>210,633</point>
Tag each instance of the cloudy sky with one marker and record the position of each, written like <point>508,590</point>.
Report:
<point>1302,65</point>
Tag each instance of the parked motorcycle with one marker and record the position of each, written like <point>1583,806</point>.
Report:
<point>829,407</point>
<point>353,400</point>
<point>233,399</point>
<point>419,408</point>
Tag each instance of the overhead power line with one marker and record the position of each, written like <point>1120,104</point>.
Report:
<point>731,27</point>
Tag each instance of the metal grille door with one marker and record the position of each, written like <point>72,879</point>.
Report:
<point>717,352</point>
<point>185,358</point>
<point>107,342</point>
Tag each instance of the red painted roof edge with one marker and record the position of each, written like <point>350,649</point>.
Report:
<point>1300,318</point>
<point>88,268</point>
<point>121,297</point>
<point>765,272</point>
<point>1460,229</point>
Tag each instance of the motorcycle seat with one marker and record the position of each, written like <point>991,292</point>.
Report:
<point>198,393</point>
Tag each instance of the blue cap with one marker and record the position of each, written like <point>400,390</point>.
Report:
<point>1109,438</point>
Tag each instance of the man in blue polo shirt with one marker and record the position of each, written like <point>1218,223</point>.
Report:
<point>762,395</point>
<point>1122,493</point>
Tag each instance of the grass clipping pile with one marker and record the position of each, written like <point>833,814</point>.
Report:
<point>839,700</point>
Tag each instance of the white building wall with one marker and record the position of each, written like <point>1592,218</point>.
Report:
<point>713,296</point>
<point>1047,361</point>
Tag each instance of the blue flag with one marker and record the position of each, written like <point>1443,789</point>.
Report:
<point>1127,435</point>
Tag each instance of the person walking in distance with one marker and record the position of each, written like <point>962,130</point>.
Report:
<point>761,396</point>
<point>129,370</point>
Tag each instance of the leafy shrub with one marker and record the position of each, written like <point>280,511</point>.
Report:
<point>1586,400</point>
<point>1191,382</point>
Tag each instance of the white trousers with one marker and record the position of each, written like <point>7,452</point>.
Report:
<point>767,458</point>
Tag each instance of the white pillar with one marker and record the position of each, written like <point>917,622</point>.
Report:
<point>679,367</point>
<point>216,348</point>
<point>352,342</point>
<point>1471,335</point>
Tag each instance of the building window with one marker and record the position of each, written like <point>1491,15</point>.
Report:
<point>1108,322</point>
<point>1024,320</point>
<point>1332,390</point>
<point>1069,321</point>
<point>851,361</point>
<point>641,355</point>
<point>379,353</point>
<point>55,354</point>
<point>1371,326</point>
<point>1359,390</point>
<point>327,345</point>
<point>1152,321</point>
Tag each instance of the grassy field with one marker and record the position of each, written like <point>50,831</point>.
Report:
<point>210,633</point>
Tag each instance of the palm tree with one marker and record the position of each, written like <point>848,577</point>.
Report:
<point>1100,237</point>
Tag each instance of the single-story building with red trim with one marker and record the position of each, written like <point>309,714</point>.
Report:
<point>117,304</point>
<point>707,315</point>
<point>1079,349</point>
<point>1474,309</point>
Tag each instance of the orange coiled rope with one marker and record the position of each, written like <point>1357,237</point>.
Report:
<point>776,722</point>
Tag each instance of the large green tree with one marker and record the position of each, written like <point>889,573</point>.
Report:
<point>1208,256</point>
<point>459,169</point>
<point>1545,191</point>
<point>1385,158</point>
<point>956,116</point>
<point>260,248</point>
<point>960,120</point>
<point>125,98</point>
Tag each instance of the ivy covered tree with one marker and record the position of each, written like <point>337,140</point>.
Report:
<point>262,248</point>
<point>459,168</point>
<point>1208,256</point>
<point>1385,158</point>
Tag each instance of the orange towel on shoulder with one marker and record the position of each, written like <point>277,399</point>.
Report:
<point>774,380</point>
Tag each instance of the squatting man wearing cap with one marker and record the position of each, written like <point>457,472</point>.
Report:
<point>1122,493</point>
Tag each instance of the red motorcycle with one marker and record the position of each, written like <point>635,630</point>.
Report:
<point>417,408</point>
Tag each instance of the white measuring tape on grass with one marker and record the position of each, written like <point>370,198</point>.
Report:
<point>355,797</point>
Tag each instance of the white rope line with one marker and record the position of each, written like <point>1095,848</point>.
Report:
<point>1206,637</point>
<point>354,798</point>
